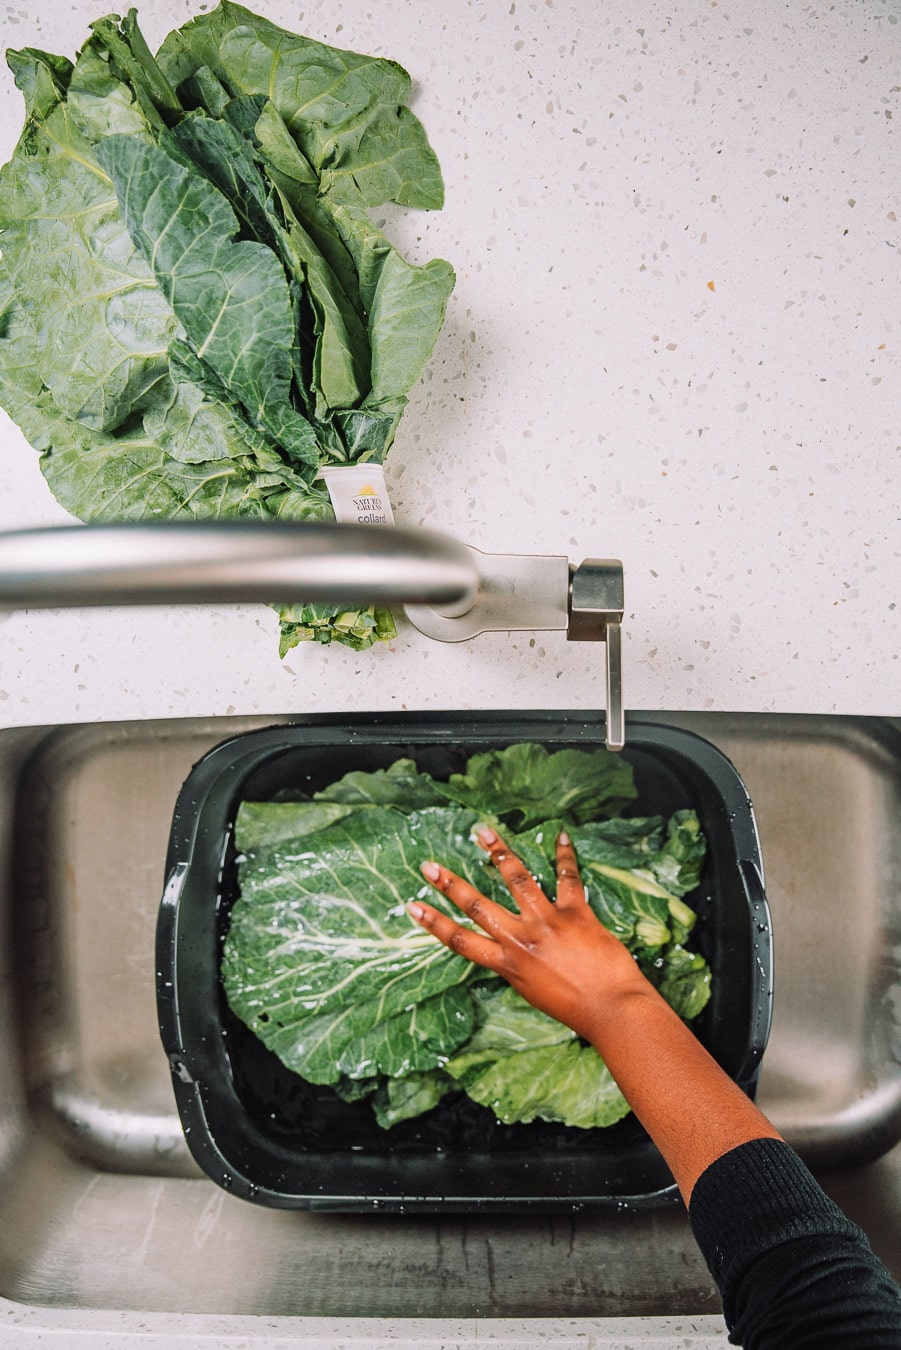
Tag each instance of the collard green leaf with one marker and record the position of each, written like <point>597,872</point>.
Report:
<point>401,785</point>
<point>262,825</point>
<point>405,305</point>
<point>677,865</point>
<point>340,373</point>
<point>351,1043</point>
<point>101,325</point>
<point>42,77</point>
<point>100,104</point>
<point>628,902</point>
<point>398,1099</point>
<point>523,1065</point>
<point>324,964</point>
<point>100,476</point>
<point>192,429</point>
<point>107,478</point>
<point>131,60</point>
<point>231,295</point>
<point>220,152</point>
<point>524,784</point>
<point>684,981</point>
<point>202,316</point>
<point>347,112</point>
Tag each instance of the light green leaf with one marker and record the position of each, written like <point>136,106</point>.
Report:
<point>401,785</point>
<point>100,104</point>
<point>678,863</point>
<point>101,324</point>
<point>347,111</point>
<point>261,825</point>
<point>525,1066</point>
<point>398,1099</point>
<point>191,428</point>
<point>42,77</point>
<point>96,475</point>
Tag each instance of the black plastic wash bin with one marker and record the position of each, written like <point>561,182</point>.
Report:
<point>266,1135</point>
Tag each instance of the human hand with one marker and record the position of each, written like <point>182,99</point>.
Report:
<point>559,956</point>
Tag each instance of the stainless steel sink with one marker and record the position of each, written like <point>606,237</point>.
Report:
<point>101,1206</point>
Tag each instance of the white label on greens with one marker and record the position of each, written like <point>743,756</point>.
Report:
<point>358,493</point>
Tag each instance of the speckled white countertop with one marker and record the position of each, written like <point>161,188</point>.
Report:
<point>674,339</point>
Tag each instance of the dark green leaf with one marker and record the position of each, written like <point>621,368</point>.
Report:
<point>524,784</point>
<point>683,979</point>
<point>230,295</point>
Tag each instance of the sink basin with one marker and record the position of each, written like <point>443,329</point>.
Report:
<point>101,1204</point>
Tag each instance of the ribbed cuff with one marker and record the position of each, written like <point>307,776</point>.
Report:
<point>754,1198</point>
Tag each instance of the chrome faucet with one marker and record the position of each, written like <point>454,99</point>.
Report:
<point>450,592</point>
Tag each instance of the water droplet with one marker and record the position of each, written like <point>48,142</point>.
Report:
<point>227,1181</point>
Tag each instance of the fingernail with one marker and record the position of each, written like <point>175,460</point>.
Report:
<point>563,838</point>
<point>486,834</point>
<point>415,910</point>
<point>430,870</point>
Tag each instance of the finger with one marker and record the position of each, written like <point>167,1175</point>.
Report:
<point>525,890</point>
<point>476,906</point>
<point>482,950</point>
<point>570,887</point>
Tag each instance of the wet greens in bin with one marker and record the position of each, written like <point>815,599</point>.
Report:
<point>285,1142</point>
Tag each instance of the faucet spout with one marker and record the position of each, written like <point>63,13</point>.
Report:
<point>209,562</point>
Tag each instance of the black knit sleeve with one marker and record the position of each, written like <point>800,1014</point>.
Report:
<point>792,1270</point>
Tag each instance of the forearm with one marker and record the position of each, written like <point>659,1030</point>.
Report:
<point>689,1106</point>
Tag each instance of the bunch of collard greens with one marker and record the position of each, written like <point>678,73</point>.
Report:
<point>196,310</point>
<point>323,963</point>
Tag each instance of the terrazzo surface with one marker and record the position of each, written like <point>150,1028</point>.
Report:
<point>674,339</point>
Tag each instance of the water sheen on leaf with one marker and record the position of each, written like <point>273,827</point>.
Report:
<point>322,960</point>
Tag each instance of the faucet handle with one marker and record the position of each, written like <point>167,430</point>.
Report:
<point>530,592</point>
<point>596,605</point>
